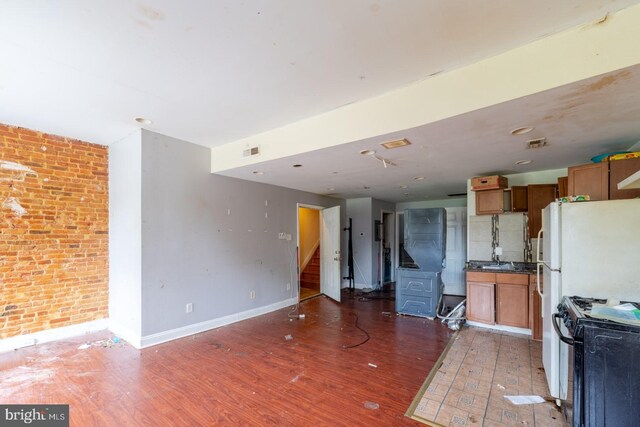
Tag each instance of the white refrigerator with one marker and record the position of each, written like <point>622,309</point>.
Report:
<point>589,249</point>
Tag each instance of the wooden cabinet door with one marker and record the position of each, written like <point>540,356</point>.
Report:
<point>618,171</point>
<point>519,198</point>
<point>481,302</point>
<point>489,202</point>
<point>512,305</point>
<point>539,195</point>
<point>563,186</point>
<point>535,309</point>
<point>591,179</point>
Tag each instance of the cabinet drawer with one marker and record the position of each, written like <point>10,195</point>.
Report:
<point>513,279</point>
<point>475,276</point>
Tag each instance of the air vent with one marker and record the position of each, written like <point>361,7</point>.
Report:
<point>395,144</point>
<point>536,143</point>
<point>253,151</point>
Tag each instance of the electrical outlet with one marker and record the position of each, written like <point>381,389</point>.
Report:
<point>252,294</point>
<point>498,251</point>
<point>288,286</point>
<point>282,236</point>
<point>288,237</point>
<point>189,307</point>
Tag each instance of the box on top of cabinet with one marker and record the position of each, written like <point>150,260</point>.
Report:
<point>492,182</point>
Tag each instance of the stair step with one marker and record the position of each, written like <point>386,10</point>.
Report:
<point>310,277</point>
<point>310,285</point>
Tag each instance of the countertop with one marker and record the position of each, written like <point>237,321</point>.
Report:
<point>517,268</point>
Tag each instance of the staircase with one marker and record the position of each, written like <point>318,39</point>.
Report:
<point>310,277</point>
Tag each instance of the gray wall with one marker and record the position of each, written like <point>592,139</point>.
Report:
<point>206,240</point>
<point>125,243</point>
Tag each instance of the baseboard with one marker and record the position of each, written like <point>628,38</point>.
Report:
<point>173,334</point>
<point>502,328</point>
<point>54,334</point>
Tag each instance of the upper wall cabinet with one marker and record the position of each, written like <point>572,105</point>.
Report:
<point>519,198</point>
<point>591,179</point>
<point>619,170</point>
<point>600,180</point>
<point>539,195</point>
<point>491,202</point>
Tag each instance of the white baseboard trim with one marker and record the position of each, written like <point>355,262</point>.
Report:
<point>161,337</point>
<point>54,334</point>
<point>502,328</point>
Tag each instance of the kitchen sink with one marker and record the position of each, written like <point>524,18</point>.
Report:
<point>506,266</point>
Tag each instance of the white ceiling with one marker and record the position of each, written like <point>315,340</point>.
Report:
<point>212,72</point>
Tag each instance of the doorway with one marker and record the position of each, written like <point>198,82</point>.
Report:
<point>319,257</point>
<point>309,252</point>
<point>386,235</point>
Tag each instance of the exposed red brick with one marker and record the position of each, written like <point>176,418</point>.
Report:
<point>53,259</point>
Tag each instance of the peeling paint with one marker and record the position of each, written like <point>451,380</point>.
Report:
<point>17,167</point>
<point>15,206</point>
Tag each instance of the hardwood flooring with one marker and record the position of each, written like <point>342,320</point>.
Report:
<point>247,373</point>
<point>306,293</point>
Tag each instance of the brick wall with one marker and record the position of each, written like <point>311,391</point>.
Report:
<point>54,217</point>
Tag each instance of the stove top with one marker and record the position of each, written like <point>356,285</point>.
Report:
<point>584,304</point>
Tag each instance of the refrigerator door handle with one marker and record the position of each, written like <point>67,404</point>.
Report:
<point>538,279</point>
<point>538,262</point>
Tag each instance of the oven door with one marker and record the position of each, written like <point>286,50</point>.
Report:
<point>567,365</point>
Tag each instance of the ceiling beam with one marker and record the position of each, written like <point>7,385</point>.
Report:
<point>582,52</point>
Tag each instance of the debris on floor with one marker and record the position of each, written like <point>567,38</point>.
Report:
<point>373,365</point>
<point>524,400</point>
<point>371,405</point>
<point>288,337</point>
<point>107,343</point>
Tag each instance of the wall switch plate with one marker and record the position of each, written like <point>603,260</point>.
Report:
<point>498,250</point>
<point>288,286</point>
<point>282,236</point>
<point>252,294</point>
<point>189,307</point>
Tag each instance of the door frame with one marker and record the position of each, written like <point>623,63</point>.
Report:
<point>318,208</point>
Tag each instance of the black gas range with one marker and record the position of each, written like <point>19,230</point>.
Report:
<point>604,365</point>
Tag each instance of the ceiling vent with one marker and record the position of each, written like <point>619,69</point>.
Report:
<point>253,151</point>
<point>395,144</point>
<point>537,143</point>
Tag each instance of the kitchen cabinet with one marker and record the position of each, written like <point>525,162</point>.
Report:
<point>591,179</point>
<point>539,196</point>
<point>489,202</point>
<point>481,297</point>
<point>512,300</point>
<point>535,308</point>
<point>618,171</point>
<point>519,198</point>
<point>563,186</point>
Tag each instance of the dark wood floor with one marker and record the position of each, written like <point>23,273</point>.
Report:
<point>243,374</point>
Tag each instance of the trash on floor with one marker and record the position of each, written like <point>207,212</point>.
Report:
<point>84,346</point>
<point>371,405</point>
<point>288,337</point>
<point>524,400</point>
<point>373,365</point>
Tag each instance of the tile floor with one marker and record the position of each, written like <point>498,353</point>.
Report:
<point>483,366</point>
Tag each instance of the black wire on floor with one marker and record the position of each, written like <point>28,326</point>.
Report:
<point>365,332</point>
<point>375,295</point>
